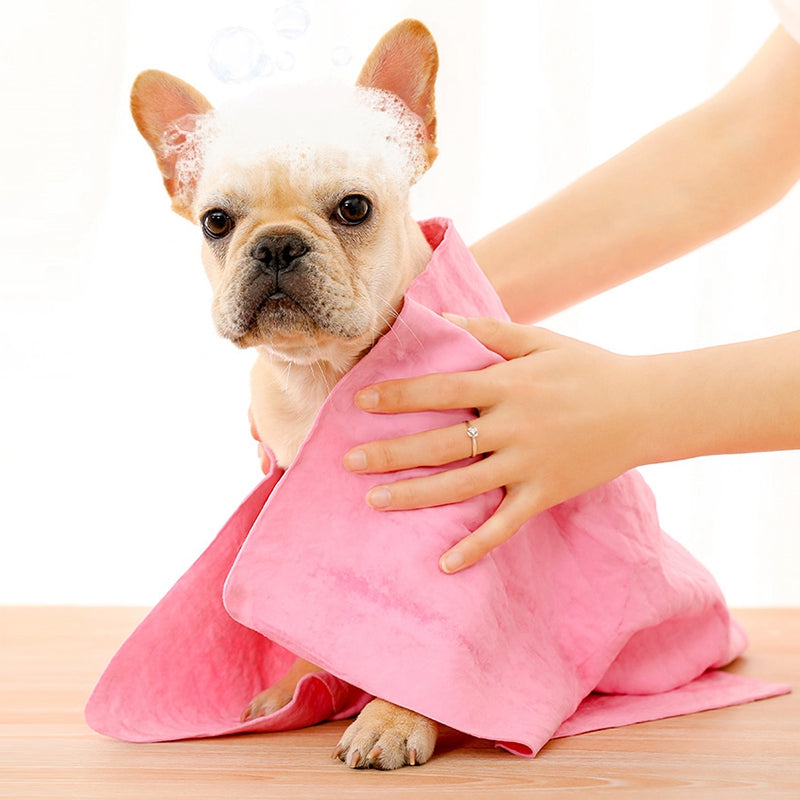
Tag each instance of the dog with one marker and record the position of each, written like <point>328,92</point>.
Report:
<point>309,244</point>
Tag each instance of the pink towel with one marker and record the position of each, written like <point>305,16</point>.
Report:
<point>589,617</point>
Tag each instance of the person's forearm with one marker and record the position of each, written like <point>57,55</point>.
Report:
<point>684,184</point>
<point>737,398</point>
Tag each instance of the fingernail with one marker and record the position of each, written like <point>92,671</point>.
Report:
<point>367,399</point>
<point>456,319</point>
<point>379,497</point>
<point>355,460</point>
<point>452,561</point>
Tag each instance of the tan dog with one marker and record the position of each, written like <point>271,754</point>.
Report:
<point>309,245</point>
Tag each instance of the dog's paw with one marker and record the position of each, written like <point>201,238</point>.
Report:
<point>268,702</point>
<point>280,694</point>
<point>386,736</point>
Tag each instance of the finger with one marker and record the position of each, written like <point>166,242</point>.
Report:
<point>432,448</point>
<point>435,392</point>
<point>449,486</point>
<point>507,339</point>
<point>510,516</point>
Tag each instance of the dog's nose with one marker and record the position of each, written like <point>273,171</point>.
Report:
<point>278,253</point>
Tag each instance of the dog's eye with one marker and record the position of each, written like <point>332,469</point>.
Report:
<point>216,224</point>
<point>353,209</point>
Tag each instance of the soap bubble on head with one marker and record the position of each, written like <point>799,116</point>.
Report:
<point>359,123</point>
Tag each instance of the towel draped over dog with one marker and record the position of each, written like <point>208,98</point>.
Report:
<point>589,617</point>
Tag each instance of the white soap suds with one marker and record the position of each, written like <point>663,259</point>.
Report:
<point>294,122</point>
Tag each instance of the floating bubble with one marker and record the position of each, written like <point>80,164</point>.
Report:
<point>268,68</point>
<point>292,20</point>
<point>284,61</point>
<point>341,56</point>
<point>236,55</point>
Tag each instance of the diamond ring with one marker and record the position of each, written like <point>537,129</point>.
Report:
<point>472,432</point>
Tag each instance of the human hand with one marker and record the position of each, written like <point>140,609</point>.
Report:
<point>557,418</point>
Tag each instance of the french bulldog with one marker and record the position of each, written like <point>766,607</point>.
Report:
<point>302,198</point>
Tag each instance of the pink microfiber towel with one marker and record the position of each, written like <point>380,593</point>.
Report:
<point>589,617</point>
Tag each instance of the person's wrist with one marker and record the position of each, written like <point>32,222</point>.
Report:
<point>646,431</point>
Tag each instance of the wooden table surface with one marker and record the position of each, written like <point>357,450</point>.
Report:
<point>51,657</point>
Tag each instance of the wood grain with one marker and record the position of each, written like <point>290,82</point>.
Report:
<point>52,656</point>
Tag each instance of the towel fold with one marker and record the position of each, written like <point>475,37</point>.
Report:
<point>589,617</point>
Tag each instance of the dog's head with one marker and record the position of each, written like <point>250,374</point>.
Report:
<point>302,197</point>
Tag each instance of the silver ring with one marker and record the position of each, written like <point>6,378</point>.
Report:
<point>472,432</point>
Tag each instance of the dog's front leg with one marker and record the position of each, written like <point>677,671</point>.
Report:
<point>280,693</point>
<point>387,736</point>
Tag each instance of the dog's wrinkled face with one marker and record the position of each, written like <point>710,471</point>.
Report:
<point>295,262</point>
<point>304,241</point>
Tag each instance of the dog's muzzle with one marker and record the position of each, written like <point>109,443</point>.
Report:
<point>268,289</point>
<point>281,286</point>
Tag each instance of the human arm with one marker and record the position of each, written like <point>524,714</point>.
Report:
<point>686,183</point>
<point>561,417</point>
<point>682,185</point>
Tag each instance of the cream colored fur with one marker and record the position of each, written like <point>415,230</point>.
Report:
<point>299,272</point>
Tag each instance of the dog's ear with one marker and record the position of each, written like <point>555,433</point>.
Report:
<point>158,102</point>
<point>405,62</point>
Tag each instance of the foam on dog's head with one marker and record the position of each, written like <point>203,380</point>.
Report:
<point>292,124</point>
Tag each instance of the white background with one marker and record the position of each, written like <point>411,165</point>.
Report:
<point>123,431</point>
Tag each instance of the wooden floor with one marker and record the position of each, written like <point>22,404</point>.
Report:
<point>50,658</point>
